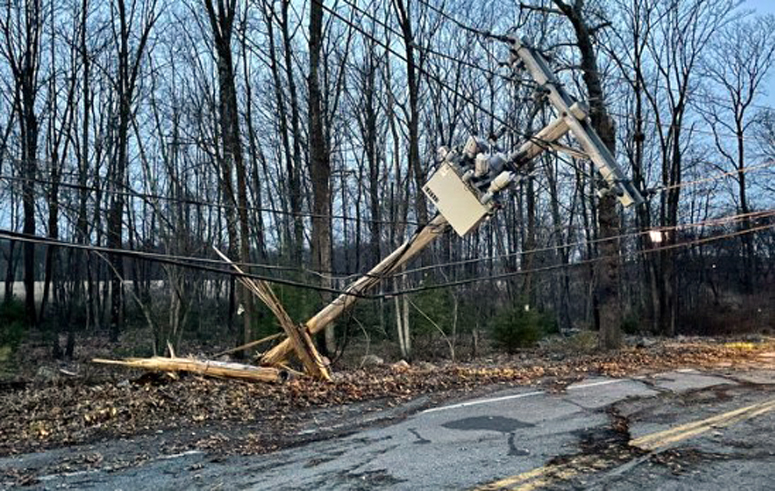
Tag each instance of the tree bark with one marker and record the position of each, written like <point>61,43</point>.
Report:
<point>609,317</point>
<point>319,164</point>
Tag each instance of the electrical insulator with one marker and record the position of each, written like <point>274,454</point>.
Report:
<point>482,167</point>
<point>498,184</point>
<point>501,182</point>
<point>475,146</point>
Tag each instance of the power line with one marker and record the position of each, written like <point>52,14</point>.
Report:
<point>182,262</point>
<point>694,130</point>
<point>478,32</point>
<point>647,83</point>
<point>173,260</point>
<point>722,175</point>
<point>354,275</point>
<point>704,223</point>
<point>349,276</point>
<point>196,202</point>
<point>502,276</point>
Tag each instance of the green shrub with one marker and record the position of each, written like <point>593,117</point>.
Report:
<point>515,328</point>
<point>631,324</point>
<point>13,326</point>
<point>438,306</point>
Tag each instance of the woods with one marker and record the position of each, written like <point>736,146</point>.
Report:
<point>135,137</point>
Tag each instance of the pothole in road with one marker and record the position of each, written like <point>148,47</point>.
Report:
<point>602,448</point>
<point>487,423</point>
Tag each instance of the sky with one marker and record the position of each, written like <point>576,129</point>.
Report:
<point>765,7</point>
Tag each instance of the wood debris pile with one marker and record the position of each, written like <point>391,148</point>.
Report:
<point>297,335</point>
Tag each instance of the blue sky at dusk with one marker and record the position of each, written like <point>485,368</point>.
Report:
<point>765,7</point>
<point>762,6</point>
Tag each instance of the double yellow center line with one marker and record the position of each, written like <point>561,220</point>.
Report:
<point>542,476</point>
<point>662,439</point>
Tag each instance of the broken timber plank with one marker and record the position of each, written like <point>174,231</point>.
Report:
<point>298,336</point>
<point>202,367</point>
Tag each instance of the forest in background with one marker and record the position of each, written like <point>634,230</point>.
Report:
<point>296,137</point>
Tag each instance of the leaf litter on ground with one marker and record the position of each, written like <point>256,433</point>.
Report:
<point>72,412</point>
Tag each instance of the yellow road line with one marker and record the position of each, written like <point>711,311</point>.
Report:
<point>689,430</point>
<point>511,481</point>
<point>542,476</point>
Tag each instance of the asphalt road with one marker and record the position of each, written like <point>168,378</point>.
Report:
<point>676,430</point>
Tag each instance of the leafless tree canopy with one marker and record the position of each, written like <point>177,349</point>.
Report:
<point>136,136</point>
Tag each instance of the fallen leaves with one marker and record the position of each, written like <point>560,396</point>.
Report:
<point>71,412</point>
<point>100,415</point>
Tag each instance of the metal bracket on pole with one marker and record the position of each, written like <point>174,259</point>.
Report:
<point>524,55</point>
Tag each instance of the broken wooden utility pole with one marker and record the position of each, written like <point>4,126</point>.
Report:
<point>426,234</point>
<point>466,185</point>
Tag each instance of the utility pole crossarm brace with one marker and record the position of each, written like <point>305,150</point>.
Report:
<point>617,182</point>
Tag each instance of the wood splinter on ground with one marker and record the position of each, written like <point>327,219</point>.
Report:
<point>203,367</point>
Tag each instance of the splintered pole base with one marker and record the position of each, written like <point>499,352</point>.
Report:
<point>298,336</point>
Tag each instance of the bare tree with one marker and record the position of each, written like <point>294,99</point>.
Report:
<point>676,51</point>
<point>740,58</point>
<point>222,23</point>
<point>414,67</point>
<point>22,29</point>
<point>130,41</point>
<point>607,306</point>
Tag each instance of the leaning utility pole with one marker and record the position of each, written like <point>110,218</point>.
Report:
<point>467,183</point>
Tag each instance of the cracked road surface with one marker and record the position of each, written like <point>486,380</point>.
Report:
<point>678,430</point>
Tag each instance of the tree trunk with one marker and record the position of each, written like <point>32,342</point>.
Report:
<point>413,82</point>
<point>319,165</point>
<point>222,23</point>
<point>607,270</point>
